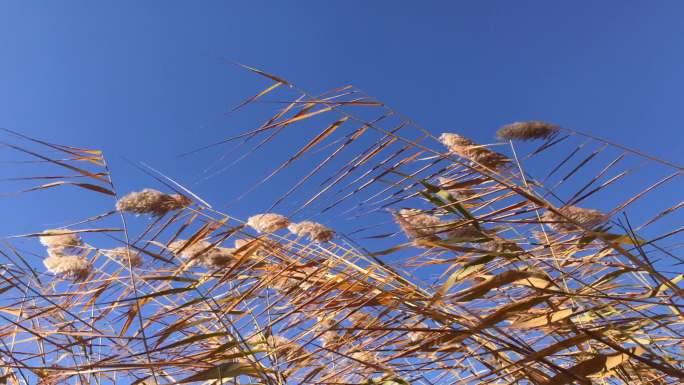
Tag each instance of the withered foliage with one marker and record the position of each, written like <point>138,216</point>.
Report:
<point>553,262</point>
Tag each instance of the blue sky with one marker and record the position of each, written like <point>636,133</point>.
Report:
<point>146,81</point>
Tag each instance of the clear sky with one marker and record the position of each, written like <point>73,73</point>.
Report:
<point>148,80</point>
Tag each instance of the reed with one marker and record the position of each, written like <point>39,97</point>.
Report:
<point>498,273</point>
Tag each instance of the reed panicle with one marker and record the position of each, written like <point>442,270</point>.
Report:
<point>121,254</point>
<point>203,253</point>
<point>61,240</point>
<point>268,222</point>
<point>72,267</point>
<point>418,225</point>
<point>153,202</point>
<point>315,232</point>
<point>534,129</point>
<point>478,154</point>
<point>572,216</point>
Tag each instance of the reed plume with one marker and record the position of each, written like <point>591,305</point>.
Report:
<point>268,222</point>
<point>315,232</point>
<point>60,241</point>
<point>587,218</point>
<point>534,129</point>
<point>203,253</point>
<point>153,202</point>
<point>470,150</point>
<point>121,254</point>
<point>418,225</point>
<point>72,267</point>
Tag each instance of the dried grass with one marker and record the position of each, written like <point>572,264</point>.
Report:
<point>485,303</point>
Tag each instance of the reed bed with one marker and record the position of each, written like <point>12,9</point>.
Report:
<point>396,257</point>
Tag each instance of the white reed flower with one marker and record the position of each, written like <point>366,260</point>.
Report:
<point>68,266</point>
<point>316,232</point>
<point>268,222</point>
<point>150,201</point>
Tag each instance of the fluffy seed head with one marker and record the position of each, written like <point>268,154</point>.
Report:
<point>588,218</point>
<point>55,252</point>
<point>300,277</point>
<point>121,254</point>
<point>218,257</point>
<point>59,241</point>
<point>72,267</point>
<point>455,141</point>
<point>202,253</point>
<point>150,201</point>
<point>316,232</point>
<point>418,225</point>
<point>470,150</point>
<point>464,231</point>
<point>268,222</point>
<point>456,193</point>
<point>534,129</point>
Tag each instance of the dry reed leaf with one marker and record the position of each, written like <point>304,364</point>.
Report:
<point>544,320</point>
<point>584,369</point>
<point>497,281</point>
<point>87,186</point>
<point>224,371</point>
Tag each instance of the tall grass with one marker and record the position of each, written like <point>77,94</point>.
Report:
<point>393,256</point>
